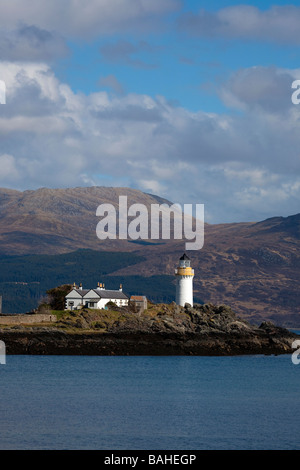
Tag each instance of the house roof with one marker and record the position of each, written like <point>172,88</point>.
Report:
<point>138,297</point>
<point>101,294</point>
<point>81,292</point>
<point>110,294</point>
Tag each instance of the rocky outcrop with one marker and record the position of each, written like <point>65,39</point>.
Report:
<point>164,330</point>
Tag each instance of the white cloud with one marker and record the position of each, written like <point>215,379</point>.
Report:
<point>76,18</point>
<point>8,168</point>
<point>31,43</point>
<point>126,53</point>
<point>39,30</point>
<point>51,136</point>
<point>278,24</point>
<point>265,87</point>
<point>111,82</point>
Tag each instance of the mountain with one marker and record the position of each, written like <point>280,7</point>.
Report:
<point>253,267</point>
<point>52,221</point>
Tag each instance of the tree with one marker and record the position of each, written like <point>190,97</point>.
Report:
<point>57,296</point>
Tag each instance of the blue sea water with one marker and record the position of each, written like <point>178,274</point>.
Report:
<point>149,403</point>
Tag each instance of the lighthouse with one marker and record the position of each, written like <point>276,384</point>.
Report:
<point>184,281</point>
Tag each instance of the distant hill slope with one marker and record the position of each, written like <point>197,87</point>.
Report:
<point>253,267</point>
<point>52,221</point>
<point>24,280</point>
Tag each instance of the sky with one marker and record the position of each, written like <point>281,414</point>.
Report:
<point>189,100</point>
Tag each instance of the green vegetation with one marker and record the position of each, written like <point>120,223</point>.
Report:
<point>56,296</point>
<point>87,319</point>
<point>102,320</point>
<point>82,264</point>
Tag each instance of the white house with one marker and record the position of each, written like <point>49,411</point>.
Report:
<point>94,298</point>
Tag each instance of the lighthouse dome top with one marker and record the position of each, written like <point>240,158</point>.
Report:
<point>184,261</point>
<point>184,257</point>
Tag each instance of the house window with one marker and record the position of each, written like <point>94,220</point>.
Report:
<point>92,304</point>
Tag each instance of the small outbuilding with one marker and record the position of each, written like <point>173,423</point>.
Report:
<point>139,301</point>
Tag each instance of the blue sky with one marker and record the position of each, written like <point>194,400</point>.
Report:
<point>196,66</point>
<point>187,99</point>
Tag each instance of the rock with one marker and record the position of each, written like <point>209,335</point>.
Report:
<point>165,330</point>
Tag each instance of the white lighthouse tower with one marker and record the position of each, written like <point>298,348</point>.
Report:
<point>184,281</point>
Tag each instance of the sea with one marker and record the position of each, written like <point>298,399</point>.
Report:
<point>149,403</point>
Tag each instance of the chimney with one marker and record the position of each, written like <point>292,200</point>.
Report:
<point>80,287</point>
<point>121,288</point>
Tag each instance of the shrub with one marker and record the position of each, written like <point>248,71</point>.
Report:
<point>57,296</point>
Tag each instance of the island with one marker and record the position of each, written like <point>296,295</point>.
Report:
<point>160,329</point>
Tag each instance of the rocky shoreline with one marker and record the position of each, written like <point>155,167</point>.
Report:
<point>166,330</point>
